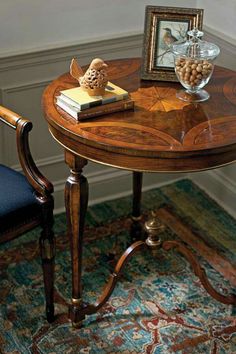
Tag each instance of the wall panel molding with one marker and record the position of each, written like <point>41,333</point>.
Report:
<point>26,86</point>
<point>49,63</point>
<point>84,48</point>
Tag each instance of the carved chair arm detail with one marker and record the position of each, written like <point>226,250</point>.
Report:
<point>23,127</point>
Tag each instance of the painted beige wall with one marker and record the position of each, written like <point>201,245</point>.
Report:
<point>27,25</point>
<point>220,15</point>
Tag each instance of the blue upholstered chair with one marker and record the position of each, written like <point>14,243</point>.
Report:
<point>26,201</point>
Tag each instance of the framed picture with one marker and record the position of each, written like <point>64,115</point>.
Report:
<point>163,26</point>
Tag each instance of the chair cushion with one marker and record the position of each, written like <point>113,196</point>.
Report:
<point>17,200</point>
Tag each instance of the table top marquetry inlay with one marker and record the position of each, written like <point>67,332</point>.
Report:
<point>162,133</point>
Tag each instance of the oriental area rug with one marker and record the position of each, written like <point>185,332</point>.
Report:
<point>158,305</point>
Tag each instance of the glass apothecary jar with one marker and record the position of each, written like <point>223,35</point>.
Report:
<point>194,66</point>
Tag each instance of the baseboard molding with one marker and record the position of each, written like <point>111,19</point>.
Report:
<point>117,183</point>
<point>105,183</point>
<point>219,187</point>
<point>113,184</point>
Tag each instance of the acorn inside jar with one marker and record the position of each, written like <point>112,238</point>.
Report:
<point>193,74</point>
<point>194,66</point>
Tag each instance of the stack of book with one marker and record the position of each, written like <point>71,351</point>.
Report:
<point>77,102</point>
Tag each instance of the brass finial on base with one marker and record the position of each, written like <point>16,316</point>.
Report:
<point>153,228</point>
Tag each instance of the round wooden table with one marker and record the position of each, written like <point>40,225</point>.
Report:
<point>162,134</point>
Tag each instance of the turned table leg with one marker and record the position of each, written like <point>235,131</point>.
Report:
<point>76,201</point>
<point>136,227</point>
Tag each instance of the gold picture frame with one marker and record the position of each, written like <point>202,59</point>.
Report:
<point>163,26</point>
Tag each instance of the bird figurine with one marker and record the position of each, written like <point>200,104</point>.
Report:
<point>94,80</point>
<point>168,37</point>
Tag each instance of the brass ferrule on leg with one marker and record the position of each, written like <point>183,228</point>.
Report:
<point>47,249</point>
<point>136,218</point>
<point>76,302</point>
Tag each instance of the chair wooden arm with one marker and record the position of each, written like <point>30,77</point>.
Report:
<point>23,127</point>
<point>8,117</point>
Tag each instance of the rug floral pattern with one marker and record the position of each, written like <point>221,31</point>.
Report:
<point>158,306</point>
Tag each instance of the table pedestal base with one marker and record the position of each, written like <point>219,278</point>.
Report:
<point>78,310</point>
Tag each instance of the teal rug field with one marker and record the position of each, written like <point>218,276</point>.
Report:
<point>158,306</point>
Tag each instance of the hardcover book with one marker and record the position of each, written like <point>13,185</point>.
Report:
<point>80,99</point>
<point>117,106</point>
